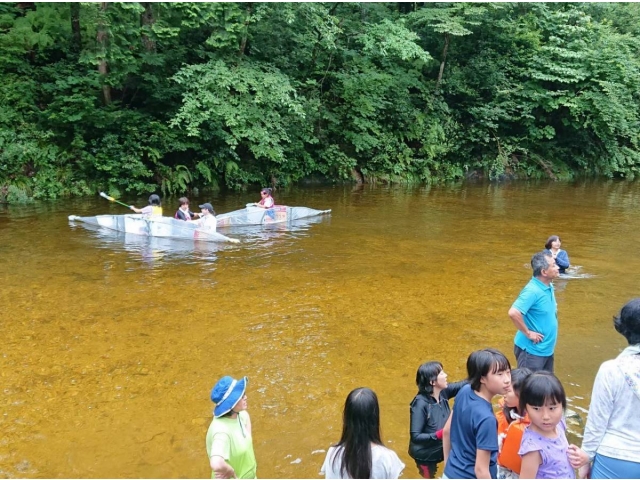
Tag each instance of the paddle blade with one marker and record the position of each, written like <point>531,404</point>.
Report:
<point>104,195</point>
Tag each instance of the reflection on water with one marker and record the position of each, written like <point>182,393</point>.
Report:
<point>152,250</point>
<point>112,342</point>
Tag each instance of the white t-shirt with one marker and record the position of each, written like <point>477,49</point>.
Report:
<point>385,463</point>
<point>208,222</point>
<point>613,425</point>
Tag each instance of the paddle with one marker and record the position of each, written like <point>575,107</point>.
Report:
<point>111,199</point>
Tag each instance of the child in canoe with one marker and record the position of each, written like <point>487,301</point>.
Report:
<point>267,200</point>
<point>153,208</point>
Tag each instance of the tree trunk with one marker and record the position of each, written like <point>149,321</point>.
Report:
<point>146,20</point>
<point>26,5</point>
<point>245,34</point>
<point>444,59</point>
<point>102,37</point>
<point>76,46</point>
<point>357,175</point>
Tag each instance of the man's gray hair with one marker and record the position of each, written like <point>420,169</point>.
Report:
<point>540,261</point>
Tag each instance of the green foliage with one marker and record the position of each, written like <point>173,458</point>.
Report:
<point>390,38</point>
<point>135,97</point>
<point>449,18</point>
<point>14,195</point>
<point>550,104</point>
<point>246,108</point>
<point>176,180</point>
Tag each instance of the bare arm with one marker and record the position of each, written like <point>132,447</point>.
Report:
<point>579,459</point>
<point>221,468</point>
<point>530,463</point>
<point>518,321</point>
<point>483,458</point>
<point>584,471</point>
<point>137,210</point>
<point>446,438</point>
<point>577,456</point>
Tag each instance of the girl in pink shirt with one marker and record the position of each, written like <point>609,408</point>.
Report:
<point>267,200</point>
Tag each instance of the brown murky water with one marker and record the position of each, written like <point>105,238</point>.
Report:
<point>111,344</point>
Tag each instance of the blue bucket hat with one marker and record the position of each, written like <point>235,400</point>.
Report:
<point>227,393</point>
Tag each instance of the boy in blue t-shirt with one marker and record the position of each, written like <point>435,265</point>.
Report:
<point>472,429</point>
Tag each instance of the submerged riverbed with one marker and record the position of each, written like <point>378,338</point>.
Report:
<point>111,343</point>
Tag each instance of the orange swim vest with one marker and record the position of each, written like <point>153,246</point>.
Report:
<point>508,456</point>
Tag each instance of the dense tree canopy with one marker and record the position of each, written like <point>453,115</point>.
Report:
<point>135,97</point>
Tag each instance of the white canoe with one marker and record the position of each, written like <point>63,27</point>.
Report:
<point>153,226</point>
<point>252,215</point>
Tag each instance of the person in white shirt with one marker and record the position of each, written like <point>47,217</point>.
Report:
<point>611,442</point>
<point>360,452</point>
<point>207,217</point>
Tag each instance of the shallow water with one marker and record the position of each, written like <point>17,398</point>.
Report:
<point>111,343</point>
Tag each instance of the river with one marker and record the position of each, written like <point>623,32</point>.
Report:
<point>111,344</point>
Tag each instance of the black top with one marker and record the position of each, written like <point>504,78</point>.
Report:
<point>181,216</point>
<point>427,417</point>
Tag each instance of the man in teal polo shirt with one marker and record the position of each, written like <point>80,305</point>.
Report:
<point>535,315</point>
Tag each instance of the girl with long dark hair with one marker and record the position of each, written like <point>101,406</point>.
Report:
<point>360,452</point>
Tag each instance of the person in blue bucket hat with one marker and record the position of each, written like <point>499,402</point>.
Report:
<point>229,440</point>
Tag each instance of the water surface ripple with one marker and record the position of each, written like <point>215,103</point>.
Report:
<point>111,342</point>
